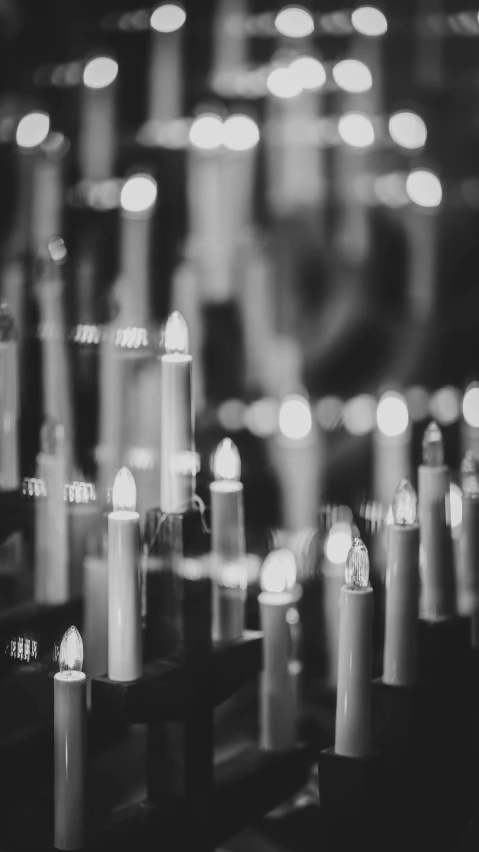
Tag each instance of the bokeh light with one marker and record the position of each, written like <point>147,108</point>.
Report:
<point>359,414</point>
<point>369,21</point>
<point>455,505</point>
<point>356,129</point>
<point>329,411</point>
<point>294,22</point>
<point>352,76</point>
<point>424,188</point>
<point>231,414</point>
<point>138,193</point>
<point>408,130</point>
<point>284,83</point>
<point>261,417</point>
<point>207,132</point>
<point>338,543</point>
<point>392,416</point>
<point>470,405</point>
<point>32,129</point>
<point>309,71</point>
<point>100,72</point>
<point>167,18</point>
<point>295,419</point>
<point>445,405</point>
<point>240,133</point>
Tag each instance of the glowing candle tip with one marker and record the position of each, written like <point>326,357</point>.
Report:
<point>176,334</point>
<point>124,491</point>
<point>404,503</point>
<point>227,462</point>
<point>357,565</point>
<point>433,446</point>
<point>279,571</point>
<point>71,652</point>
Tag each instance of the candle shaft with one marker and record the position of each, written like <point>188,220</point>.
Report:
<point>277,721</point>
<point>46,200</point>
<point>227,520</point>
<point>391,464</point>
<point>95,631</point>
<point>124,605</point>
<point>177,471</point>
<point>97,133</point>
<point>402,603</point>
<point>228,613</point>
<point>9,415</point>
<point>52,561</point>
<point>353,707</point>
<point>165,102</point>
<point>70,760</point>
<point>437,568</point>
<point>297,467</point>
<point>134,266</point>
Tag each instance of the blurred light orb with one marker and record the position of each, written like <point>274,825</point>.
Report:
<point>138,193</point>
<point>329,412</point>
<point>168,18</point>
<point>352,76</point>
<point>455,505</point>
<point>207,132</point>
<point>283,83</point>
<point>408,130</point>
<point>424,188</point>
<point>240,133</point>
<point>356,129</point>
<point>231,414</point>
<point>418,402</point>
<point>369,21</point>
<point>338,543</point>
<point>32,129</point>
<point>390,190</point>
<point>294,22</point>
<point>295,419</point>
<point>359,414</point>
<point>392,415</point>
<point>470,406</point>
<point>100,72</point>
<point>445,405</point>
<point>261,417</point>
<point>309,71</point>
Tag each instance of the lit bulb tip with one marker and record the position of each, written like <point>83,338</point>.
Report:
<point>357,565</point>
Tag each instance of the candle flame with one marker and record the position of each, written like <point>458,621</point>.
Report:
<point>470,476</point>
<point>339,543</point>
<point>124,491</point>
<point>404,505</point>
<point>279,571</point>
<point>470,405</point>
<point>294,22</point>
<point>71,652</point>
<point>357,565</point>
<point>227,462</point>
<point>433,446</point>
<point>176,334</point>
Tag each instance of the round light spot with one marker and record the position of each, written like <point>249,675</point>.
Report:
<point>359,414</point>
<point>392,415</point>
<point>32,129</point>
<point>283,83</point>
<point>339,543</point>
<point>294,22</point>
<point>240,133</point>
<point>470,406</point>
<point>408,130</point>
<point>138,193</point>
<point>168,18</point>
<point>309,71</point>
<point>424,188</point>
<point>351,75</point>
<point>261,417</point>
<point>231,414</point>
<point>100,72</point>
<point>445,405</point>
<point>369,21</point>
<point>356,129</point>
<point>207,132</point>
<point>295,420</point>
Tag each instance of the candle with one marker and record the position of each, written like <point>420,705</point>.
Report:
<point>353,705</point>
<point>391,446</point>
<point>137,201</point>
<point>402,585</point>
<point>437,568</point>
<point>229,41</point>
<point>165,89</point>
<point>84,516</point>
<point>70,744</point>
<point>124,605</point>
<point>52,569</point>
<point>95,596</point>
<point>229,598</point>
<point>97,127</point>
<point>47,190</point>
<point>470,424</point>
<point>187,299</point>
<point>9,398</point>
<point>277,698</point>
<point>226,492</point>
<point>470,537</point>
<point>336,551</point>
<point>178,460</point>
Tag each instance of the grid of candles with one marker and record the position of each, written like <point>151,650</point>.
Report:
<point>416,587</point>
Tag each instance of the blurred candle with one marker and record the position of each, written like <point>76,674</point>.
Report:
<point>9,399</point>
<point>470,413</point>
<point>95,596</point>
<point>124,604</point>
<point>178,459</point>
<point>402,590</point>
<point>229,40</point>
<point>137,200</point>
<point>277,718</point>
<point>97,122</point>
<point>437,569</point>
<point>296,454</point>
<point>353,706</point>
<point>47,190</point>
<point>111,394</point>
<point>226,493</point>
<point>70,752</point>
<point>52,559</point>
<point>229,599</point>
<point>391,446</point>
<point>421,219</point>
<point>165,87</point>
<point>240,139</point>
<point>337,548</point>
<point>470,537</point>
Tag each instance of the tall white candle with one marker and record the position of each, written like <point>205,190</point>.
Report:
<point>336,552</point>
<point>70,753</point>
<point>353,705</point>
<point>97,122</point>
<point>402,585</point>
<point>470,537</point>
<point>277,697</point>
<point>165,73</point>
<point>437,568</point>
<point>9,400</point>
<point>391,446</point>
<point>124,603</point>
<point>52,560</point>
<point>95,597</point>
<point>178,459</point>
<point>137,200</point>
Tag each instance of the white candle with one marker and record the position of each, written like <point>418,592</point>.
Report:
<point>391,446</point>
<point>470,538</point>
<point>32,130</point>
<point>97,123</point>
<point>137,200</point>
<point>186,298</point>
<point>95,597</point>
<point>229,598</point>
<point>178,459</point>
<point>240,138</point>
<point>353,705</point>
<point>336,551</point>
<point>9,400</point>
<point>47,192</point>
<point>70,744</point>
<point>52,560</point>
<point>111,395</point>
<point>229,40</point>
<point>226,493</point>
<point>296,458</point>
<point>437,568</point>
<point>165,88</point>
<point>124,603</point>
<point>277,697</point>
<point>402,590</point>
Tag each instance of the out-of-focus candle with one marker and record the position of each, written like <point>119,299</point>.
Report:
<point>52,560</point>
<point>137,200</point>
<point>97,123</point>
<point>165,88</point>
<point>402,595</point>
<point>226,492</point>
<point>277,719</point>
<point>9,399</point>
<point>178,459</point>
<point>124,604</point>
<point>47,190</point>
<point>337,548</point>
<point>296,456</point>
<point>229,598</point>
<point>95,596</point>
<point>470,424</point>
<point>353,706</point>
<point>70,744</point>
<point>436,554</point>
<point>470,537</point>
<point>391,446</point>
